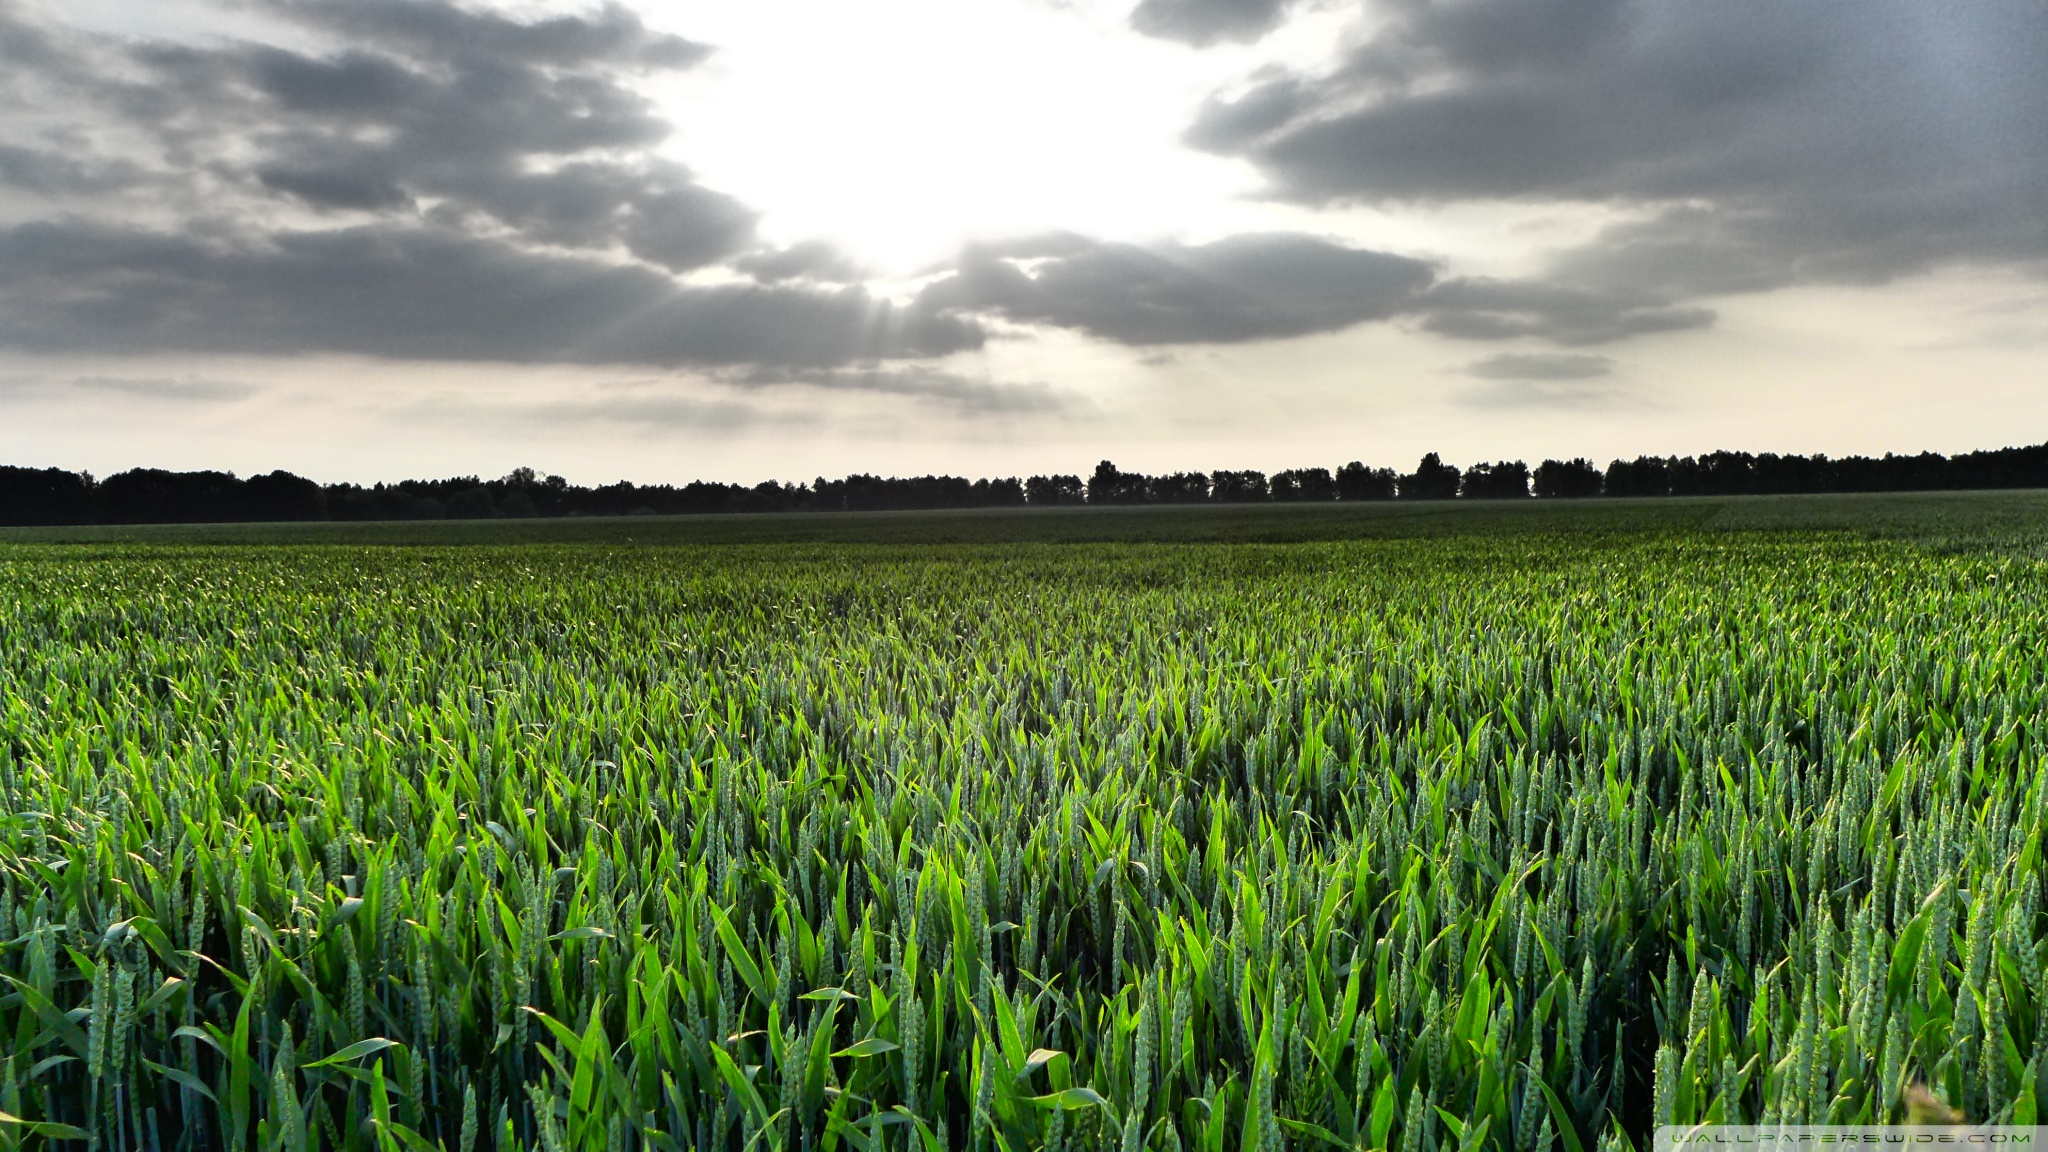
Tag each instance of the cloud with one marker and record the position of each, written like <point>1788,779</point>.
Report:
<point>537,127</point>
<point>646,412</point>
<point>434,181</point>
<point>756,397</point>
<point>1504,395</point>
<point>1484,309</point>
<point>808,260</point>
<point>533,127</point>
<point>336,186</point>
<point>1204,22</point>
<point>949,389</point>
<point>184,389</point>
<point>168,389</point>
<point>611,34</point>
<point>1532,380</point>
<point>1760,144</point>
<point>1540,366</point>
<point>1258,286</point>
<point>1268,286</point>
<point>55,173</point>
<point>643,408</point>
<point>419,291</point>
<point>1239,124</point>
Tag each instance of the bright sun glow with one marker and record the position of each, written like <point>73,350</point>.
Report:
<point>898,128</point>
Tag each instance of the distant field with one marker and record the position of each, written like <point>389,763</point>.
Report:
<point>1408,828</point>
<point>1930,515</point>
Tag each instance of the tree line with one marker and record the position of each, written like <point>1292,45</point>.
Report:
<point>52,496</point>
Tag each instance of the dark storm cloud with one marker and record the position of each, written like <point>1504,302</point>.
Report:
<point>532,127</point>
<point>1238,124</point>
<point>648,206</point>
<point>419,291</point>
<point>51,171</point>
<point>336,186</point>
<point>1247,287</point>
<point>1540,366</point>
<point>486,186</point>
<point>1205,22</point>
<point>1771,144</point>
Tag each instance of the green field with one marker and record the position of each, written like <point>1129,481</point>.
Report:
<point>1422,829</point>
<point>2020,515</point>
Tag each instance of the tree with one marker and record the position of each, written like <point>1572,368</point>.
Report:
<point>1003,493</point>
<point>471,504</point>
<point>1049,491</point>
<point>1507,480</point>
<point>1110,486</point>
<point>1643,476</point>
<point>1357,482</point>
<point>1572,478</point>
<point>282,496</point>
<point>1304,484</point>
<point>1432,480</point>
<point>1237,487</point>
<point>1727,473</point>
<point>154,496</point>
<point>45,496</point>
<point>1178,488</point>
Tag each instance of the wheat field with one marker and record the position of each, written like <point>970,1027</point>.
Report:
<point>1523,843</point>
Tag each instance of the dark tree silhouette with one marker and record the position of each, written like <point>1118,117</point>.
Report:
<point>472,504</point>
<point>1005,493</point>
<point>1567,478</point>
<point>148,495</point>
<point>864,493</point>
<point>154,496</point>
<point>45,496</point>
<point>1304,485</point>
<point>1357,482</point>
<point>1110,486</point>
<point>1432,480</point>
<point>1177,488</point>
<point>282,496</point>
<point>1237,487</point>
<point>1507,480</point>
<point>1054,490</point>
<point>1643,476</point>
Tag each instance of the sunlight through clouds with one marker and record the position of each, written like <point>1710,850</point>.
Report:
<point>903,128</point>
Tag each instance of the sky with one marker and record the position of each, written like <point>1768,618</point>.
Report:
<point>777,239</point>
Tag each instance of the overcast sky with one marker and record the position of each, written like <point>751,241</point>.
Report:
<point>369,239</point>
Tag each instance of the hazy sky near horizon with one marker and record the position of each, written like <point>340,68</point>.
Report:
<point>370,239</point>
